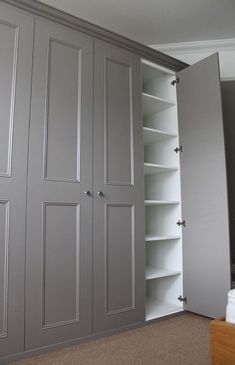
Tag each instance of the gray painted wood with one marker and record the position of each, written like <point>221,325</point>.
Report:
<point>206,259</point>
<point>59,237</point>
<point>16,46</point>
<point>228,98</point>
<point>118,234</point>
<point>35,7</point>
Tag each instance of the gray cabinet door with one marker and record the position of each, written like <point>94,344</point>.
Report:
<point>118,236</point>
<point>16,47</point>
<point>206,259</point>
<point>59,223</point>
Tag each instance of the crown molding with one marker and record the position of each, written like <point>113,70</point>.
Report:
<point>46,11</point>
<point>219,45</point>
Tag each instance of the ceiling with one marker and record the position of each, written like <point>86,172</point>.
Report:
<point>155,22</point>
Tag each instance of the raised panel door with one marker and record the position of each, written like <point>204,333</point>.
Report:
<point>16,47</point>
<point>59,239</point>
<point>118,261</point>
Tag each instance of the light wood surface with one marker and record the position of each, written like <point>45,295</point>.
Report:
<point>222,342</point>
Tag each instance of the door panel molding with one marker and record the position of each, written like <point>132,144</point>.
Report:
<point>107,178</point>
<point>5,297</point>
<point>110,312</point>
<point>49,118</point>
<point>8,172</point>
<point>77,257</point>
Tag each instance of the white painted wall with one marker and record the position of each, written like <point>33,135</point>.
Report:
<point>191,52</point>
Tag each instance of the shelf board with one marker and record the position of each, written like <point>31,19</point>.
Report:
<point>151,168</point>
<point>156,309</point>
<point>161,202</point>
<point>152,104</point>
<point>153,135</point>
<point>157,273</point>
<point>151,238</point>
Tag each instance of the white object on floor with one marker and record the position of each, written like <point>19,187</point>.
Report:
<point>230,310</point>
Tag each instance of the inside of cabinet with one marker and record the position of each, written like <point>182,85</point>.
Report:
<point>163,238</point>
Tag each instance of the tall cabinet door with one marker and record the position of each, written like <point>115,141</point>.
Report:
<point>206,259</point>
<point>59,223</point>
<point>16,46</point>
<point>118,235</point>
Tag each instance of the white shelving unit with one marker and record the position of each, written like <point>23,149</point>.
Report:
<point>162,193</point>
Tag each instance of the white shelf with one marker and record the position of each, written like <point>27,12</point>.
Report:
<point>153,135</point>
<point>151,238</point>
<point>161,202</point>
<point>153,104</point>
<point>151,168</point>
<point>157,309</point>
<point>157,273</point>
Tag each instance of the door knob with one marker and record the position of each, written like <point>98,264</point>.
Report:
<point>87,193</point>
<point>100,193</point>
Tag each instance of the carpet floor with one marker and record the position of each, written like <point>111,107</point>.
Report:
<point>182,340</point>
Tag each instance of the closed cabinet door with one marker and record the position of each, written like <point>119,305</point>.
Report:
<point>118,235</point>
<point>16,46</point>
<point>59,221</point>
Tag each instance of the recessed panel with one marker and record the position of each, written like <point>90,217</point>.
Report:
<point>8,64</point>
<point>61,263</point>
<point>118,124</point>
<point>4,240</point>
<point>62,135</point>
<point>120,261</point>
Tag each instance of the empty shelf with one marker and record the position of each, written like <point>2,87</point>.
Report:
<point>161,202</point>
<point>153,104</point>
<point>151,168</point>
<point>151,71</point>
<point>153,135</point>
<point>151,238</point>
<point>156,273</point>
<point>156,308</point>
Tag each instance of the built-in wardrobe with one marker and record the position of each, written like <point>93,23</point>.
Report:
<point>113,196</point>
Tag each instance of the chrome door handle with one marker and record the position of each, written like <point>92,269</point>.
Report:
<point>87,193</point>
<point>100,193</point>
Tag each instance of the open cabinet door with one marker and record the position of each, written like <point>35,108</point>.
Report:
<point>206,256</point>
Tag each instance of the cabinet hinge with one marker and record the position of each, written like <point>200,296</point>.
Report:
<point>176,81</point>
<point>182,299</point>
<point>181,223</point>
<point>178,149</point>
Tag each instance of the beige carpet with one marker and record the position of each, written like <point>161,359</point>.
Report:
<point>182,340</point>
